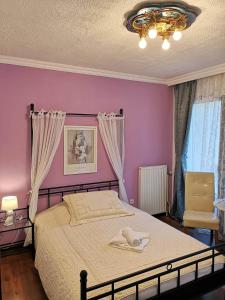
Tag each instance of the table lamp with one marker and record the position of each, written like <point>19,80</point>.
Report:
<point>9,203</point>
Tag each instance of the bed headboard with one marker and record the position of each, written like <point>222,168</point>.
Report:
<point>77,188</point>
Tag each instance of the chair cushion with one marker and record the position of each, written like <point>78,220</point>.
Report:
<point>198,219</point>
<point>199,191</point>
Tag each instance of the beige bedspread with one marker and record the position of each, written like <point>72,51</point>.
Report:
<point>63,251</point>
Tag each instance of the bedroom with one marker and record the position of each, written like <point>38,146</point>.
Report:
<point>79,57</point>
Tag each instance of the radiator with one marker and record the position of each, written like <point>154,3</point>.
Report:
<point>153,189</point>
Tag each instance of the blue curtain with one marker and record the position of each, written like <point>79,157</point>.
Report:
<point>184,95</point>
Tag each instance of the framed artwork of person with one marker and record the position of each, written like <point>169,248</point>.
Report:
<point>80,149</point>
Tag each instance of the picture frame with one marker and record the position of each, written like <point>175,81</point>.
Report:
<point>80,149</point>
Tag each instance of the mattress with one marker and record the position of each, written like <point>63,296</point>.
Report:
<point>62,251</point>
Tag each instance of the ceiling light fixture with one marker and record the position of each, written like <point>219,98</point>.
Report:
<point>163,19</point>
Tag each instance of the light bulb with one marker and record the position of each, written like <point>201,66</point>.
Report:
<point>152,33</point>
<point>142,43</point>
<point>165,44</point>
<point>177,35</point>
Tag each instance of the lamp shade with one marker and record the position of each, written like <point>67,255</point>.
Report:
<point>9,203</point>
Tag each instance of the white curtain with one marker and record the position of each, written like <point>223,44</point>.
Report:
<point>210,87</point>
<point>111,129</point>
<point>221,169</point>
<point>47,130</point>
<point>202,154</point>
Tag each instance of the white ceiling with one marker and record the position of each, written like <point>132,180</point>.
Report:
<point>91,34</point>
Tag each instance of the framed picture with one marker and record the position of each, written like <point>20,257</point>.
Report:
<point>80,149</point>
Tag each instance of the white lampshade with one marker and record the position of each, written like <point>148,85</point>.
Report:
<point>9,203</point>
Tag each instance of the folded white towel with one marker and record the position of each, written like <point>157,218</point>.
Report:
<point>126,246</point>
<point>127,237</point>
<point>134,238</point>
<point>118,239</point>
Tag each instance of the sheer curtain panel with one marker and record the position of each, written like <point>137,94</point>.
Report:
<point>221,168</point>
<point>111,129</point>
<point>210,87</point>
<point>202,152</point>
<point>47,130</point>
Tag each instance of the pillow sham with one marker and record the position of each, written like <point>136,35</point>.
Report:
<point>93,206</point>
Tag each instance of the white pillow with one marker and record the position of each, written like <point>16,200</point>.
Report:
<point>93,206</point>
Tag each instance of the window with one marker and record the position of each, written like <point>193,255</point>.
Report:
<point>202,150</point>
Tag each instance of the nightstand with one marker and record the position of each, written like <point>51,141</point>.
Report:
<point>12,237</point>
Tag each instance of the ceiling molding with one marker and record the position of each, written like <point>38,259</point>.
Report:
<point>74,69</point>
<point>104,73</point>
<point>218,69</point>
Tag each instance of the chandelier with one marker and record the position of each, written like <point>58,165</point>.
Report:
<point>164,19</point>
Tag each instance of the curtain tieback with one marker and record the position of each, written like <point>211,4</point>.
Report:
<point>34,190</point>
<point>122,180</point>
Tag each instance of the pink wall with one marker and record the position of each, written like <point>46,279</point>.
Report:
<point>148,133</point>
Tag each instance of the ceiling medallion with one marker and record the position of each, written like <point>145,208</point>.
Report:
<point>164,19</point>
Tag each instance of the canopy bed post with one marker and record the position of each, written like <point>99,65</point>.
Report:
<point>31,124</point>
<point>83,285</point>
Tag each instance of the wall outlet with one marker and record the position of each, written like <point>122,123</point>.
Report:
<point>132,201</point>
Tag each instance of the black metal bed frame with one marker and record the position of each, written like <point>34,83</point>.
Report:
<point>182,291</point>
<point>77,188</point>
<point>199,284</point>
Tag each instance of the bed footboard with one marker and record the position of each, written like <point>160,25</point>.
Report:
<point>204,283</point>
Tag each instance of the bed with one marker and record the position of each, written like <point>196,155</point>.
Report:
<point>76,262</point>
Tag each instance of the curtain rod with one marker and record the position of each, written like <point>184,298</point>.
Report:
<point>76,114</point>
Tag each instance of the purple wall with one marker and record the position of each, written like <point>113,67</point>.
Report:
<point>148,127</point>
